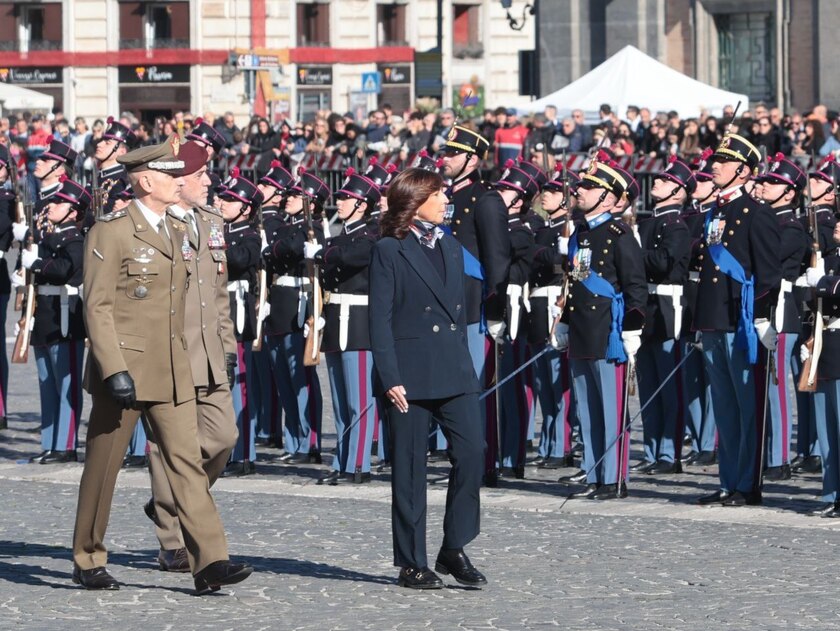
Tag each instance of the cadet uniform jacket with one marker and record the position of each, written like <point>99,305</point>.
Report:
<point>794,255</point>
<point>750,232</point>
<point>521,253</point>
<point>828,368</point>
<point>480,225</point>
<point>59,269</point>
<point>243,256</point>
<point>546,271</point>
<point>695,221</point>
<point>8,212</point>
<point>135,289</point>
<point>346,260</point>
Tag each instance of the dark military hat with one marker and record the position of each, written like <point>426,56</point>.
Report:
<point>240,189</point>
<point>380,174</point>
<point>534,171</point>
<point>164,157</point>
<point>277,176</point>
<point>828,170</point>
<point>311,186</point>
<point>702,166</point>
<point>60,152</point>
<point>422,160</point>
<point>119,132</point>
<point>606,175</point>
<point>359,187</point>
<point>783,171</point>
<point>680,173</point>
<point>202,132</point>
<point>121,190</point>
<point>5,156</point>
<point>516,178</point>
<point>70,192</point>
<point>735,148</point>
<point>555,183</point>
<point>632,191</point>
<point>463,140</point>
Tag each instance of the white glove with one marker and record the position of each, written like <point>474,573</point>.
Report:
<point>496,329</point>
<point>801,281</point>
<point>19,230</point>
<point>554,312</point>
<point>263,241</point>
<point>29,255</point>
<point>319,326</point>
<point>814,274</point>
<point>563,246</point>
<point>311,249</point>
<point>766,333</point>
<point>632,341</point>
<point>804,353</point>
<point>265,310</point>
<point>18,279</point>
<point>17,329</point>
<point>560,340</point>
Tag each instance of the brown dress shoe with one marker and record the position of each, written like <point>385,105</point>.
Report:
<point>174,560</point>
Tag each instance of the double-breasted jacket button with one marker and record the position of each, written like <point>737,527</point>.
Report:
<point>435,328</point>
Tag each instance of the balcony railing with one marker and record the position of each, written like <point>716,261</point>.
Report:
<point>468,51</point>
<point>33,45</point>
<point>169,42</point>
<point>393,43</point>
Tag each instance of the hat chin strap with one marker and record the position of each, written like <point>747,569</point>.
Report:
<point>462,169</point>
<point>734,177</point>
<point>787,188</point>
<point>675,190</point>
<point>113,150</point>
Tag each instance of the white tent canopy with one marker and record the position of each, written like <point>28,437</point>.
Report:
<point>630,77</point>
<point>13,97</point>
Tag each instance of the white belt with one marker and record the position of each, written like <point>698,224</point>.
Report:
<point>64,291</point>
<point>514,293</point>
<point>2,254</point>
<point>241,288</point>
<point>785,287</point>
<point>694,277</point>
<point>675,292</point>
<point>551,293</point>
<point>302,283</point>
<point>345,301</point>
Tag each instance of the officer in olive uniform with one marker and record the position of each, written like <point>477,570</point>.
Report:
<point>549,285</point>
<point>665,244</point>
<point>58,336</point>
<point>781,189</point>
<point>299,387</point>
<point>739,283</point>
<point>602,324</point>
<point>346,339</point>
<point>240,200</point>
<point>696,387</point>
<point>479,222</point>
<point>8,214</point>
<point>135,273</point>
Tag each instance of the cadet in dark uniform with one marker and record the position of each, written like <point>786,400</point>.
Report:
<point>56,161</point>
<point>418,320</point>
<point>117,140</point>
<point>479,222</point>
<point>58,337</point>
<point>548,285</point>
<point>781,189</point>
<point>665,244</point>
<point>739,282</point>
<point>696,387</point>
<point>240,199</point>
<point>300,390</point>
<point>346,340</point>
<point>602,325</point>
<point>8,215</point>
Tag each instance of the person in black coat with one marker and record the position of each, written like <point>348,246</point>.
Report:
<point>417,317</point>
<point>8,214</point>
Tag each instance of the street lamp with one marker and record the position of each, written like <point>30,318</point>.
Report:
<point>518,25</point>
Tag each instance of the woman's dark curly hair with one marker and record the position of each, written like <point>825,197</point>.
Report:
<point>406,193</point>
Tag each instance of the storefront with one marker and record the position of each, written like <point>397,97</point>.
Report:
<point>154,90</point>
<point>46,79</point>
<point>314,90</point>
<point>396,86</point>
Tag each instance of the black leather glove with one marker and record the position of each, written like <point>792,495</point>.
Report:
<point>230,364</point>
<point>121,387</point>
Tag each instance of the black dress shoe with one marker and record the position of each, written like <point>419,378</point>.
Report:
<point>781,472</point>
<point>642,466</point>
<point>219,573</point>
<point>4,424</point>
<point>438,455</point>
<point>312,457</point>
<point>553,463</point>
<point>134,462</point>
<point>517,472</point>
<point>327,478</point>
<point>383,466</point>
<point>96,578</point>
<point>663,467</point>
<point>718,497</point>
<point>754,498</point>
<point>174,560</point>
<point>457,563</point>
<point>239,469</point>
<point>360,477</point>
<point>704,459</point>
<point>58,457</point>
<point>151,513</point>
<point>811,464</point>
<point>609,492</point>
<point>690,458</point>
<point>735,499</point>
<point>491,478</point>
<point>588,490</point>
<point>419,578</point>
<point>833,512</point>
<point>574,478</point>
<point>37,459</point>
<point>820,510</point>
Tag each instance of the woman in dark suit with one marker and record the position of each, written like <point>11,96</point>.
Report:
<point>423,366</point>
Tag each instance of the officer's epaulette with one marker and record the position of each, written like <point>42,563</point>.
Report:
<point>212,210</point>
<point>117,214</point>
<point>620,227</point>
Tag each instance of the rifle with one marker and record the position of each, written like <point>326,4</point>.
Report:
<point>808,376</point>
<point>312,347</point>
<point>262,286</point>
<point>20,353</point>
<point>567,233</point>
<point>96,194</point>
<point>22,195</point>
<point>726,128</point>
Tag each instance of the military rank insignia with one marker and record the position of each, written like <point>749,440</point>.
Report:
<point>581,262</point>
<point>714,231</point>
<point>216,240</point>
<point>186,248</point>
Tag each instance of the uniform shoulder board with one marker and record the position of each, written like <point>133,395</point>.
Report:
<point>620,227</point>
<point>212,210</point>
<point>117,214</point>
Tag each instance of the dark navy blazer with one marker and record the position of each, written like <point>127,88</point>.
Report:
<point>418,324</point>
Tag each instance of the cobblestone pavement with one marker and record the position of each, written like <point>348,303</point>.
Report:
<point>323,554</point>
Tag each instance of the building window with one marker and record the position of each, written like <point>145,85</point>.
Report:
<point>466,35</point>
<point>390,25</point>
<point>39,27</point>
<point>313,24</point>
<point>152,25</point>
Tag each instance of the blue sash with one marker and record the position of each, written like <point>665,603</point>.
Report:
<point>746,336</point>
<point>473,269</point>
